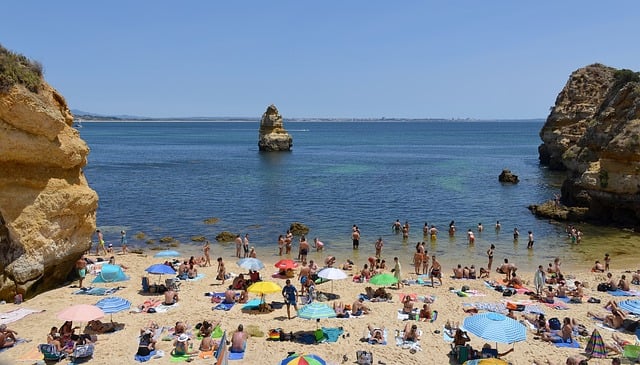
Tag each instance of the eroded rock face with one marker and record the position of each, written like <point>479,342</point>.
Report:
<point>272,135</point>
<point>593,132</point>
<point>47,210</point>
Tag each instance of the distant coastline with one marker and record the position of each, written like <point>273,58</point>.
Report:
<point>91,117</point>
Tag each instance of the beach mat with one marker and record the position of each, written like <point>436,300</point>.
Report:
<point>332,334</point>
<point>97,291</point>
<point>198,277</point>
<point>236,355</point>
<point>224,306</point>
<point>571,345</point>
<point>16,314</point>
<point>622,293</point>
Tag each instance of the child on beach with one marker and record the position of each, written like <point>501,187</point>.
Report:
<point>607,261</point>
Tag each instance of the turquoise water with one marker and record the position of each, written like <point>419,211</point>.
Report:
<point>165,179</point>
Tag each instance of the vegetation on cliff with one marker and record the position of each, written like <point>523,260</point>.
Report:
<point>18,69</point>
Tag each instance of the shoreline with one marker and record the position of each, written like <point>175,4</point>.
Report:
<point>194,307</point>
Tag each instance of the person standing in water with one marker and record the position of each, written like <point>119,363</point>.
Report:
<point>490,256</point>
<point>123,241</point>
<point>530,240</point>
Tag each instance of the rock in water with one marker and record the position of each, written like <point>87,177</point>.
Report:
<point>47,209</point>
<point>507,177</point>
<point>273,136</point>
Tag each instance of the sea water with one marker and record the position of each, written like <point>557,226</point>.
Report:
<point>164,179</point>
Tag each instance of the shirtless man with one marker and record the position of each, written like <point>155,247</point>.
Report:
<point>355,237</point>
<point>623,284</point>
<point>598,267</point>
<point>313,270</point>
<point>318,245</point>
<point>170,297</point>
<point>358,308</point>
<point>81,268</point>
<point>613,286</point>
<point>303,276</point>
<point>304,249</point>
<point>7,336</point>
<point>505,268</point>
<point>458,272</point>
<point>436,271</point>
<point>515,281</point>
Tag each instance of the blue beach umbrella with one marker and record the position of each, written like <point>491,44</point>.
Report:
<point>495,327</point>
<point>250,263</point>
<point>160,269</point>
<point>167,253</point>
<point>110,305</point>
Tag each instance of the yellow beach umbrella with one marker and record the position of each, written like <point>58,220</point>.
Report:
<point>264,287</point>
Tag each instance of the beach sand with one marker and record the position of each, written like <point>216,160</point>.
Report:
<point>194,307</point>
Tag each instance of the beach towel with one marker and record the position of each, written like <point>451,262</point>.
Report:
<point>413,296</point>
<point>447,335</point>
<point>572,345</point>
<point>252,304</point>
<point>502,308</point>
<point>332,334</point>
<point>162,308</point>
<point>384,339</point>
<point>557,304</point>
<point>198,277</point>
<point>16,314</point>
<point>139,358</point>
<point>223,306</point>
<point>205,354</point>
<point>18,341</point>
<point>97,291</point>
<point>411,345</point>
<point>622,293</point>
<point>179,358</point>
<point>405,316</point>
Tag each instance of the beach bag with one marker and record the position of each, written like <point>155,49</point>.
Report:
<point>554,324</point>
<point>274,334</point>
<point>465,288</point>
<point>364,357</point>
<point>603,287</point>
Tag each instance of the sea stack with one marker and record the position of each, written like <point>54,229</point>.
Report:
<point>273,136</point>
<point>47,209</point>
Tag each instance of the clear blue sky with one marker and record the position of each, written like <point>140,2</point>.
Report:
<point>432,59</point>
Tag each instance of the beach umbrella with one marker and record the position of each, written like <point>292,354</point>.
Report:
<point>286,264</point>
<point>264,287</point>
<point>160,269</point>
<point>316,310</point>
<point>495,327</point>
<point>302,359</point>
<point>110,305</point>
<point>595,346</point>
<point>81,313</point>
<point>167,253</point>
<point>331,273</point>
<point>250,263</point>
<point>383,279</point>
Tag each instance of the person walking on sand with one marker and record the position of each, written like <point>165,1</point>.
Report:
<point>222,272</point>
<point>123,241</point>
<point>81,268</point>
<point>289,292</point>
<point>490,256</point>
<point>207,250</point>
<point>397,271</point>
<point>436,271</point>
<point>238,242</point>
<point>100,243</point>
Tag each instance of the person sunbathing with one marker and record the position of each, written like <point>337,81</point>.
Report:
<point>229,297</point>
<point>170,297</point>
<point>539,322</point>
<point>340,310</point>
<point>411,333</point>
<point>239,340</point>
<point>460,338</point>
<point>617,344</point>
<point>425,313</point>
<point>376,335</point>
<point>635,279</point>
<point>358,308</point>
<point>244,297</point>
<point>515,281</point>
<point>565,335</point>
<point>101,327</point>
<point>407,305</point>
<point>151,303</point>
<point>7,336</point>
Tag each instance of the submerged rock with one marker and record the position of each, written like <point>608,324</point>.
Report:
<point>298,229</point>
<point>272,135</point>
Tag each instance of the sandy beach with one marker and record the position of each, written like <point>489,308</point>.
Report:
<point>194,307</point>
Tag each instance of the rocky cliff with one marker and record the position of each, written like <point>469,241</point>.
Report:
<point>593,132</point>
<point>47,210</point>
<point>272,135</point>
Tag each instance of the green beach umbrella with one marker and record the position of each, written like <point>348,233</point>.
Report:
<point>383,279</point>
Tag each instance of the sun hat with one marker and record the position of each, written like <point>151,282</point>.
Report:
<point>183,338</point>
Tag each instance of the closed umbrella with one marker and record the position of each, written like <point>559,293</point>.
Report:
<point>250,263</point>
<point>331,273</point>
<point>595,346</point>
<point>112,305</point>
<point>492,361</point>
<point>383,279</point>
<point>302,359</point>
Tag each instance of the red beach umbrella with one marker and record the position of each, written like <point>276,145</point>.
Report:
<point>286,264</point>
